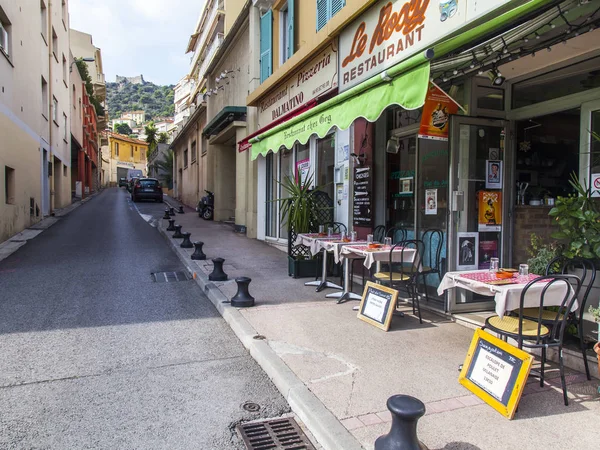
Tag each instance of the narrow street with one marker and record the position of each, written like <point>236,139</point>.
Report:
<point>95,354</point>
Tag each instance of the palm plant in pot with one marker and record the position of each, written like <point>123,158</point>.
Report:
<point>300,214</point>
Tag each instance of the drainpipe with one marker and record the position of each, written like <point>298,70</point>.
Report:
<point>51,102</point>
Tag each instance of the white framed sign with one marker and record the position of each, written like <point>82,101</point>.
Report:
<point>468,251</point>
<point>393,30</point>
<point>314,78</point>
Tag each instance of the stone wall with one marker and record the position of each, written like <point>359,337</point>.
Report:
<point>527,220</point>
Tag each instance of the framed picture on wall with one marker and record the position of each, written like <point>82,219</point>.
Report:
<point>493,174</point>
<point>468,251</point>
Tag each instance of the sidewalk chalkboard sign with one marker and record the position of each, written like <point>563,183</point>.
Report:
<point>363,186</point>
<point>377,305</point>
<point>496,372</point>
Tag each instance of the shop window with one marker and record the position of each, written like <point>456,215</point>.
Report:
<point>194,152</point>
<point>271,196</point>
<point>5,30</point>
<point>401,183</point>
<point>44,20</point>
<point>9,185</point>
<point>326,9</point>
<point>286,162</point>
<point>286,25</point>
<point>490,98</point>
<point>325,165</point>
<point>558,83</point>
<point>266,45</point>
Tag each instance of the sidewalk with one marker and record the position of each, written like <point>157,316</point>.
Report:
<point>337,372</point>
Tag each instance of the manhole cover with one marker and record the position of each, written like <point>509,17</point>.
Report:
<point>250,406</point>
<point>275,434</point>
<point>170,277</point>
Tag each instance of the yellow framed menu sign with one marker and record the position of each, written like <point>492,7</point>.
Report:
<point>377,305</point>
<point>496,372</point>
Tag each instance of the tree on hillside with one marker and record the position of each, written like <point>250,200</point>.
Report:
<point>163,138</point>
<point>123,128</point>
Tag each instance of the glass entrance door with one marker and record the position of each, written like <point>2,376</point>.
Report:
<point>589,140</point>
<point>479,203</point>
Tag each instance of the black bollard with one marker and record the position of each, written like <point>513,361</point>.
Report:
<point>171,226</point>
<point>198,254</point>
<point>166,216</point>
<point>172,211</point>
<point>406,411</point>
<point>242,298</point>
<point>217,274</point>
<point>177,234</point>
<point>180,210</point>
<point>186,241</point>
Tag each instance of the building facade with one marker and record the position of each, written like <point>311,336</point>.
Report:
<point>35,102</point>
<point>125,153</point>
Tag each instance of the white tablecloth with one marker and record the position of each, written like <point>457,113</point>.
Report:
<point>312,241</point>
<point>380,255</point>
<point>507,297</point>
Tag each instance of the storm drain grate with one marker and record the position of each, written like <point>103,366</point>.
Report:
<point>276,434</point>
<point>170,277</point>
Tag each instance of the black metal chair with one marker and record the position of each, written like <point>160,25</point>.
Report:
<point>534,333</point>
<point>433,240</point>
<point>403,271</point>
<point>397,234</point>
<point>379,233</point>
<point>564,265</point>
<point>338,227</point>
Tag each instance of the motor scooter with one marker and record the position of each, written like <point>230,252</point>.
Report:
<point>206,206</point>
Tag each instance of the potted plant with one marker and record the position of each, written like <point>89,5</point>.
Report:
<point>299,213</point>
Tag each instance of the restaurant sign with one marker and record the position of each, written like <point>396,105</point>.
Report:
<point>391,31</point>
<point>315,78</point>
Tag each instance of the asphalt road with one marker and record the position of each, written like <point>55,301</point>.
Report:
<point>95,354</point>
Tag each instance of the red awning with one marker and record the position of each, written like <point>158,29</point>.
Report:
<point>244,145</point>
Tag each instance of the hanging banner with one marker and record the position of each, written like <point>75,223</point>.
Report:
<point>490,211</point>
<point>436,114</point>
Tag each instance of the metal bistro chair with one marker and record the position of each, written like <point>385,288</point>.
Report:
<point>433,240</point>
<point>397,234</point>
<point>563,265</point>
<point>379,233</point>
<point>403,272</point>
<point>534,333</point>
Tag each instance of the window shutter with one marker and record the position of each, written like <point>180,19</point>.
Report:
<point>336,5</point>
<point>266,44</point>
<point>3,39</point>
<point>322,13</point>
<point>290,30</point>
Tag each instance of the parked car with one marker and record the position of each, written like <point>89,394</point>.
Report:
<point>131,183</point>
<point>122,182</point>
<point>147,189</point>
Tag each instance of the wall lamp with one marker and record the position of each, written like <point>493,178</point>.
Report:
<point>496,77</point>
<point>88,59</point>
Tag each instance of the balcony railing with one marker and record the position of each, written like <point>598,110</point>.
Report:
<point>216,8</point>
<point>210,53</point>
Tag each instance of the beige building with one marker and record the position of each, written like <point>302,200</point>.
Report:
<point>35,112</point>
<point>123,153</point>
<point>138,117</point>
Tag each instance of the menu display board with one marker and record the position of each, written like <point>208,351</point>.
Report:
<point>378,305</point>
<point>496,372</point>
<point>363,188</point>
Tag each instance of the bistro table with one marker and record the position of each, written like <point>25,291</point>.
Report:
<point>313,242</point>
<point>506,296</point>
<point>371,255</point>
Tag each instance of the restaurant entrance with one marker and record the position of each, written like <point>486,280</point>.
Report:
<point>478,204</point>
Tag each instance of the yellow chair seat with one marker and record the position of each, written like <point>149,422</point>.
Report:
<point>547,316</point>
<point>416,269</point>
<point>396,276</point>
<point>510,325</point>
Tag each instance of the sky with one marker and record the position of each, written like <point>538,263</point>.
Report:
<point>147,37</point>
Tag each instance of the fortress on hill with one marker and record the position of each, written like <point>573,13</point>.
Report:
<point>133,80</point>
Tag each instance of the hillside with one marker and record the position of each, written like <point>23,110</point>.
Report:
<point>156,101</point>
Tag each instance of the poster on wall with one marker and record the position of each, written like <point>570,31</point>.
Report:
<point>436,114</point>
<point>468,251</point>
<point>487,250</point>
<point>302,169</point>
<point>362,197</point>
<point>490,211</point>
<point>430,202</point>
<point>493,174</point>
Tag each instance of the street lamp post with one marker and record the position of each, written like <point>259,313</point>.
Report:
<point>88,59</point>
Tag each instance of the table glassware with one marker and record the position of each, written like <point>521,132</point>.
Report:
<point>321,229</point>
<point>369,238</point>
<point>330,231</point>
<point>494,264</point>
<point>343,235</point>
<point>353,236</point>
<point>523,269</point>
<point>387,241</point>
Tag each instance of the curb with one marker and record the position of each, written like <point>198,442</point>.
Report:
<point>321,422</point>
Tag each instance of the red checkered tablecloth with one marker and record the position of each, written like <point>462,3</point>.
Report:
<point>485,277</point>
